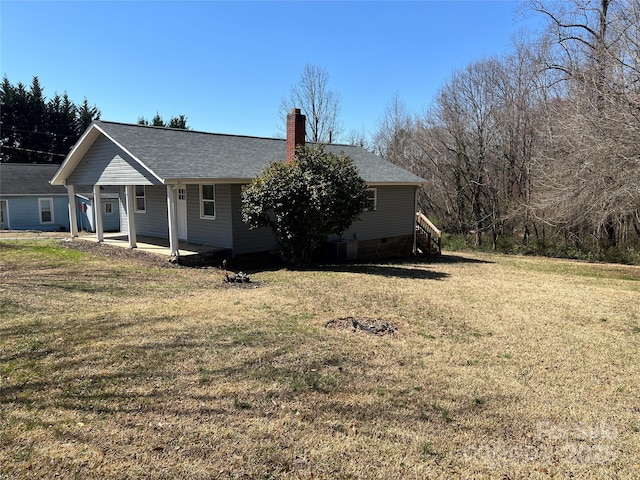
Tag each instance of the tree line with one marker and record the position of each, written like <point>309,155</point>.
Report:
<point>539,148</point>
<point>36,130</point>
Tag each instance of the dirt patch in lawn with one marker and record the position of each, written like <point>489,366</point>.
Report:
<point>367,325</point>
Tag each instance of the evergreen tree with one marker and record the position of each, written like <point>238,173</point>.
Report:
<point>85,116</point>
<point>179,122</point>
<point>303,202</point>
<point>34,130</point>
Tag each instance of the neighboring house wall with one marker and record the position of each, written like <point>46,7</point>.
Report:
<point>110,219</point>
<point>85,218</point>
<point>110,214</point>
<point>4,215</point>
<point>24,212</point>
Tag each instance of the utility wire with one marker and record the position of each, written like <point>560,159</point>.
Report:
<point>34,151</point>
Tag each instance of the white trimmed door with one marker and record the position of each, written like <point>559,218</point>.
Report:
<point>181,212</point>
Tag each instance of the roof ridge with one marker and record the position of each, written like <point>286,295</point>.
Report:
<point>202,132</point>
<point>237,135</point>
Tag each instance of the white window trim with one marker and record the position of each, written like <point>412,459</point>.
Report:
<point>106,212</point>
<point>40,201</point>
<point>202,215</point>
<point>143,196</point>
<point>375,200</point>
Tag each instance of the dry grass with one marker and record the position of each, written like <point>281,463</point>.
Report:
<point>501,367</point>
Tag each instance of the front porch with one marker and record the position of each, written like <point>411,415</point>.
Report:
<point>191,254</point>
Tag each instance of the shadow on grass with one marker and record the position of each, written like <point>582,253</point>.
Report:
<point>449,258</point>
<point>403,267</point>
<point>394,270</point>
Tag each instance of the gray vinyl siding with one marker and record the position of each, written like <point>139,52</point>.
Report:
<point>154,222</point>
<point>244,239</point>
<point>107,164</point>
<point>207,231</point>
<point>394,215</point>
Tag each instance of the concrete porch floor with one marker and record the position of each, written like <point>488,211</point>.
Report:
<point>158,246</point>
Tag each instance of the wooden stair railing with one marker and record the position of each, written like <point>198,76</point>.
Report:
<point>428,236</point>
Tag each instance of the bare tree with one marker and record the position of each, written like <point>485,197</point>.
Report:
<point>459,137</point>
<point>593,154</point>
<point>317,102</point>
<point>477,147</point>
<point>358,138</point>
<point>394,138</point>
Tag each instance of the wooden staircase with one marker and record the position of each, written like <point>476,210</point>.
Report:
<point>428,237</point>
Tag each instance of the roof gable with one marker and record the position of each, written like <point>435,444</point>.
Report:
<point>105,163</point>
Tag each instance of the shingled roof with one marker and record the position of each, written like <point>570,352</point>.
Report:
<point>28,179</point>
<point>173,155</point>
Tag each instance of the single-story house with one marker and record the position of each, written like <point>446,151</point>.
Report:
<point>186,185</point>
<point>29,202</point>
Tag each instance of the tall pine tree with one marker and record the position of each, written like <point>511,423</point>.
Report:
<point>34,130</point>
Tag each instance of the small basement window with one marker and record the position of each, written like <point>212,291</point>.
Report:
<point>208,201</point>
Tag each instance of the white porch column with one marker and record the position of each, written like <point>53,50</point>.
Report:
<point>173,221</point>
<point>73,212</point>
<point>97,207</point>
<point>131,215</point>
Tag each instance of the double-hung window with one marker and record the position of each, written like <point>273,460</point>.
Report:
<point>46,210</point>
<point>208,201</point>
<point>372,200</point>
<point>141,200</point>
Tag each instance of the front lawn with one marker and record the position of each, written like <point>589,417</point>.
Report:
<point>499,367</point>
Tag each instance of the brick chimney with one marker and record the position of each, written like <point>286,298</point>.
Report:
<point>295,132</point>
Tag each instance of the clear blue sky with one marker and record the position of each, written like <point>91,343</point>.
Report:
<point>227,65</point>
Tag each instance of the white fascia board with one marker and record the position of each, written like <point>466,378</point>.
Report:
<point>197,181</point>
<point>396,184</point>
